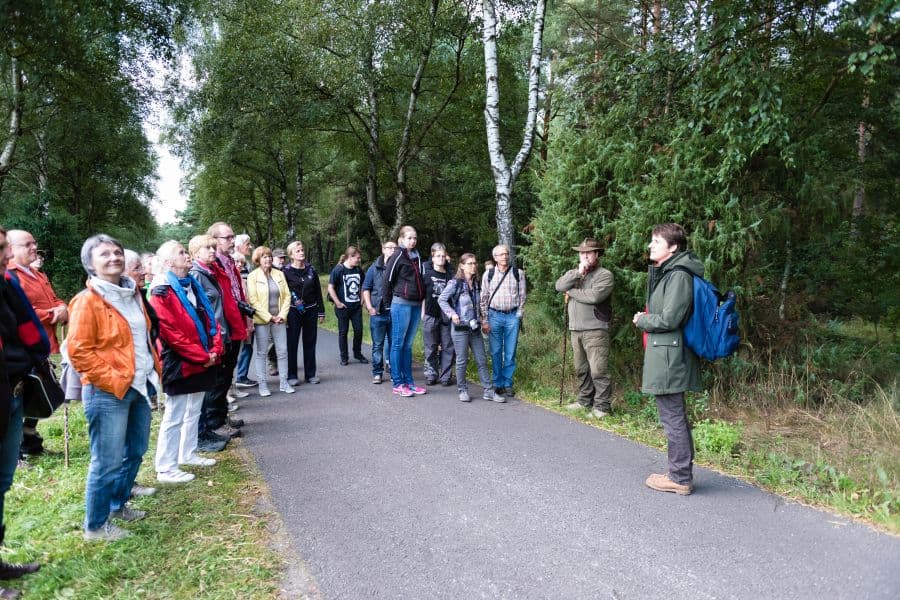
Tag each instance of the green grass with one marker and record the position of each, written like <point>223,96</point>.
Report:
<point>204,539</point>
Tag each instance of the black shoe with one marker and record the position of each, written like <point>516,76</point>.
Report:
<point>211,435</point>
<point>210,446</point>
<point>508,392</point>
<point>362,359</point>
<point>235,422</point>
<point>447,383</point>
<point>32,444</point>
<point>431,382</point>
<point>230,432</point>
<point>245,382</point>
<point>344,362</point>
<point>11,571</point>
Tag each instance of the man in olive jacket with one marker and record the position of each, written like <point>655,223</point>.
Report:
<point>588,290</point>
<point>670,367</point>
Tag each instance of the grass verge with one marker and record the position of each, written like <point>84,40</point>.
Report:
<point>839,454</point>
<point>204,539</point>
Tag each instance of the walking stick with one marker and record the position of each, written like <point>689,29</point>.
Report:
<point>565,345</point>
<point>66,432</point>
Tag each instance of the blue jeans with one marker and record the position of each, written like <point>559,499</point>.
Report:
<point>244,359</point>
<point>379,325</point>
<point>504,337</point>
<point>9,449</point>
<point>404,324</point>
<point>119,432</point>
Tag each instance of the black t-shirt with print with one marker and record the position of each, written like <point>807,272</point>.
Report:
<point>435,282</point>
<point>347,284</point>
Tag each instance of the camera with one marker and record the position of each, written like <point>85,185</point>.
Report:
<point>246,308</point>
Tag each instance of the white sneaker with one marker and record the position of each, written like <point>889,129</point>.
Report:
<point>286,388</point>
<point>233,407</point>
<point>264,392</point>
<point>199,461</point>
<point>140,490</point>
<point>238,393</point>
<point>109,532</point>
<point>174,476</point>
<point>493,395</point>
<point>464,396</point>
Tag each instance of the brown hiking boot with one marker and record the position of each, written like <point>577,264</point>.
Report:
<point>662,483</point>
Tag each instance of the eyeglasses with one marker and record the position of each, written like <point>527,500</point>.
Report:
<point>389,247</point>
<point>225,237</point>
<point>470,264</point>
<point>502,254</point>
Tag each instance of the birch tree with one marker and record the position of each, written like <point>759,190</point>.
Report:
<point>505,174</point>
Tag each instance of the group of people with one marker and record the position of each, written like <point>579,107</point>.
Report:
<point>401,291</point>
<point>185,322</point>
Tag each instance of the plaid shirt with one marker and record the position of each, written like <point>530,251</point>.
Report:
<point>509,296</point>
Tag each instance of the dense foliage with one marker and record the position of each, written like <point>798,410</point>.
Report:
<point>74,90</point>
<point>769,129</point>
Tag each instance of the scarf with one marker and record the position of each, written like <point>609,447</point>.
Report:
<point>178,284</point>
<point>230,268</point>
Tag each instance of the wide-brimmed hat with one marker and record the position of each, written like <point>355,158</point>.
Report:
<point>588,245</point>
<point>279,252</point>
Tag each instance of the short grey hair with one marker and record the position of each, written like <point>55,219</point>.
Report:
<point>437,246</point>
<point>90,244</point>
<point>131,258</point>
<point>241,239</point>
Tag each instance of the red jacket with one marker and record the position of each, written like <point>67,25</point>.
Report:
<point>237,323</point>
<point>183,355</point>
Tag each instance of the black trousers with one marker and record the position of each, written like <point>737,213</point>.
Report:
<point>307,327</point>
<point>346,317</point>
<point>215,402</point>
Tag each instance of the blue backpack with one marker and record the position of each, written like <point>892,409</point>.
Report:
<point>711,330</point>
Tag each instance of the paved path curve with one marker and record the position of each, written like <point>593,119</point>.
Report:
<point>428,497</point>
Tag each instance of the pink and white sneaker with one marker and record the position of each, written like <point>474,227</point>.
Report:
<point>403,391</point>
<point>418,391</point>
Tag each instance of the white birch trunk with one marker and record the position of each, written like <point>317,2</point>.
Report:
<point>15,122</point>
<point>505,174</point>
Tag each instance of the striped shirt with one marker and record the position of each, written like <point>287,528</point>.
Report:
<point>509,297</point>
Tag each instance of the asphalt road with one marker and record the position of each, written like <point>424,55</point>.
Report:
<point>427,497</point>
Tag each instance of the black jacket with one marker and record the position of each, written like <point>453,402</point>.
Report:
<point>404,276</point>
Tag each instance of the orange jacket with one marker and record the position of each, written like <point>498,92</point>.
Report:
<point>100,344</point>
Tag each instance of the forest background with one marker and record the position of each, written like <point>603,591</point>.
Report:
<point>768,128</point>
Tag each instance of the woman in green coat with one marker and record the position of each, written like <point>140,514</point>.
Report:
<point>670,367</point>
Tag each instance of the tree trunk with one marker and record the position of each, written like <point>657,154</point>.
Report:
<point>257,228</point>
<point>320,249</point>
<point>785,278</point>
<point>15,121</point>
<point>372,150</point>
<point>403,151</point>
<point>43,172</point>
<point>862,141</point>
<point>298,201</point>
<point>505,174</point>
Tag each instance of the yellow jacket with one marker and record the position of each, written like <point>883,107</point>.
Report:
<point>258,295</point>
